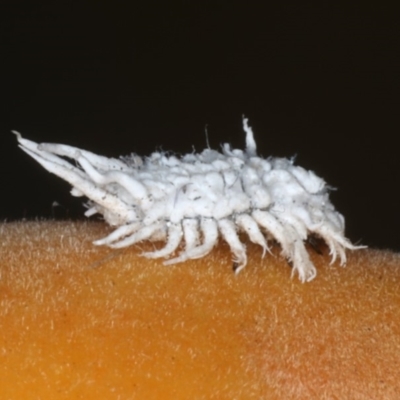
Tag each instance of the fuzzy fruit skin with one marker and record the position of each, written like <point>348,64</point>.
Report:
<point>199,197</point>
<point>85,322</point>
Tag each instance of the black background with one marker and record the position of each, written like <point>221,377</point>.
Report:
<point>319,81</point>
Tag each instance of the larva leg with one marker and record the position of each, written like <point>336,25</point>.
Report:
<point>302,263</point>
<point>210,237</point>
<point>174,238</point>
<point>228,231</point>
<point>270,223</point>
<point>142,234</point>
<point>290,219</point>
<point>336,242</point>
<point>248,225</point>
<point>292,244</point>
<point>191,233</point>
<point>119,233</point>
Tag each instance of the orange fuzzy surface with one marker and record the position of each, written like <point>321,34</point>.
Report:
<point>86,322</point>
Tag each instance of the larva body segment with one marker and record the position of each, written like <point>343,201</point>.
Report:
<point>199,197</point>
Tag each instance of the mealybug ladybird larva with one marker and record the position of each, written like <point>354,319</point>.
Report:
<point>201,196</point>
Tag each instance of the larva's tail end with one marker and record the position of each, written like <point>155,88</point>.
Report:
<point>18,135</point>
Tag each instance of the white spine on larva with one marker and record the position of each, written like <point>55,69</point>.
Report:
<point>199,197</point>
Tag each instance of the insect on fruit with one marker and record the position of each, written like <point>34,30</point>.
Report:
<point>199,197</point>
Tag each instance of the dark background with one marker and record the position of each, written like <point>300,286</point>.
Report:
<point>320,81</point>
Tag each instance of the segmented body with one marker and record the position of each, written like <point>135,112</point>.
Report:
<point>197,198</point>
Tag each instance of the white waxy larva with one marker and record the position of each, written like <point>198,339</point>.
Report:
<point>199,197</point>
